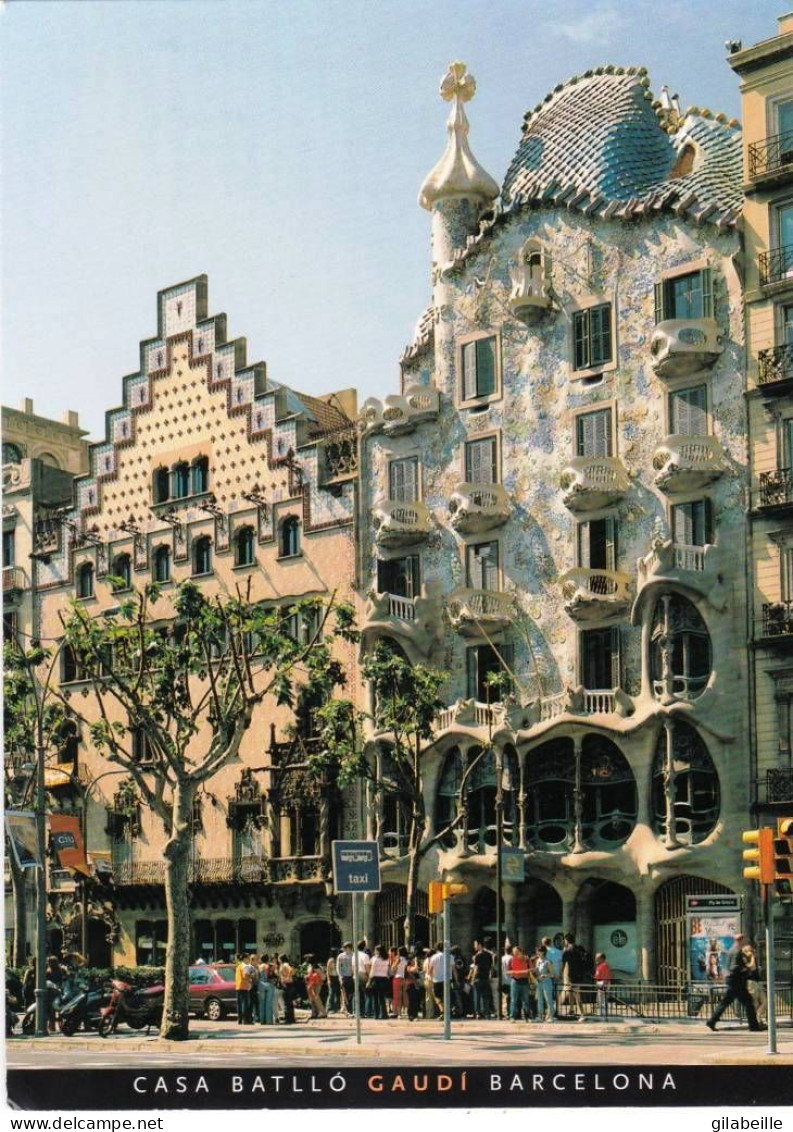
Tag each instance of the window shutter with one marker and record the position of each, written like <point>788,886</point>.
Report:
<point>581,339</point>
<point>493,460</point>
<point>600,333</point>
<point>611,544</point>
<point>708,304</point>
<point>472,462</point>
<point>414,576</point>
<point>411,480</point>
<point>688,414</point>
<point>383,577</point>
<point>615,656</point>
<point>584,552</point>
<point>480,461</point>
<point>471,663</point>
<point>787,444</point>
<point>469,371</point>
<point>485,367</point>
<point>682,524</point>
<point>707,522</point>
<point>660,304</point>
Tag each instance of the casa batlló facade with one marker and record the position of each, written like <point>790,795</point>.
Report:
<point>556,493</point>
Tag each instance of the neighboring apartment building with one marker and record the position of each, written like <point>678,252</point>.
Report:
<point>766,73</point>
<point>557,491</point>
<point>208,470</point>
<point>40,459</point>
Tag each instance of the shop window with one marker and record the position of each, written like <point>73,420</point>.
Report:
<point>151,940</point>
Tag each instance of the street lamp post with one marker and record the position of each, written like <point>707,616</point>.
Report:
<point>41,883</point>
<point>331,898</point>
<point>499,842</point>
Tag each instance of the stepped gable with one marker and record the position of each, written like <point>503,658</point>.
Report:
<point>602,143</point>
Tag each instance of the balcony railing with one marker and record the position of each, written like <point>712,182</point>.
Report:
<point>592,594</point>
<point>777,619</point>
<point>223,870</point>
<point>775,364</point>
<point>772,155</point>
<point>465,713</point>
<point>400,414</point>
<point>688,463</point>
<point>682,346</point>
<point>592,482</point>
<point>476,507</point>
<point>776,488</point>
<point>776,786</point>
<point>13,579</point>
<point>472,610</point>
<point>397,523</point>
<point>776,266</point>
<point>600,702</point>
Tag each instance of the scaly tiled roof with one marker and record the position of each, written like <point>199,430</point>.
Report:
<point>326,417</point>
<point>602,144</point>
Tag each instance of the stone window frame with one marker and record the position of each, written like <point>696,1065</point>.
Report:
<point>693,267</point>
<point>597,407</point>
<point>489,434</point>
<point>498,392</point>
<point>584,304</point>
<point>414,455</point>
<point>680,385</point>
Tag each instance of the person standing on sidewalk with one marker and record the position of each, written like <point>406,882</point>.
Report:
<point>544,974</point>
<point>573,974</point>
<point>397,962</point>
<point>603,978</point>
<point>481,966</point>
<point>344,971</point>
<point>243,983</point>
<point>737,977</point>
<point>286,977</point>
<point>521,977</point>
<point>554,956</point>
<point>266,991</point>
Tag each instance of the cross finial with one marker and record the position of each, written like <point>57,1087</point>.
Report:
<point>457,83</point>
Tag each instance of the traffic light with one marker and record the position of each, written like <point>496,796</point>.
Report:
<point>783,857</point>
<point>761,857</point>
<point>439,892</point>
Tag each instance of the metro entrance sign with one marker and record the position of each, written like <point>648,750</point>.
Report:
<point>356,866</point>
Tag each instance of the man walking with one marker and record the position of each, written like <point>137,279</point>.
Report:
<point>344,971</point>
<point>481,966</point>
<point>437,974</point>
<point>737,977</point>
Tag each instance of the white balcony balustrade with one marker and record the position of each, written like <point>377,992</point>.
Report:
<point>478,507</point>
<point>682,346</point>
<point>399,414</point>
<point>688,463</point>
<point>472,611</point>
<point>592,482</point>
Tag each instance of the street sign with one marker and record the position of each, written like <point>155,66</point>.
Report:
<point>513,865</point>
<point>356,866</point>
<point>713,903</point>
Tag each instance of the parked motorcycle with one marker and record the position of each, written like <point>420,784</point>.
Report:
<point>84,1009</point>
<point>138,1008</point>
<point>29,1017</point>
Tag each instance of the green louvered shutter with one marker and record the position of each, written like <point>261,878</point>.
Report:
<point>485,367</point>
<point>615,657</point>
<point>660,305</point>
<point>708,305</point>
<point>581,339</point>
<point>469,371</point>
<point>600,335</point>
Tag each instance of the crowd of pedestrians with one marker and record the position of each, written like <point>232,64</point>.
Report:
<point>397,983</point>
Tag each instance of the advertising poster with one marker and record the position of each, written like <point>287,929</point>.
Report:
<point>22,835</point>
<point>713,923</point>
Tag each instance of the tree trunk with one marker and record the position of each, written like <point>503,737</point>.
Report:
<point>416,834</point>
<point>177,953</point>
<point>19,890</point>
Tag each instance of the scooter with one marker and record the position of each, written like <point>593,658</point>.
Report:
<point>136,1008</point>
<point>84,1009</point>
<point>29,1017</point>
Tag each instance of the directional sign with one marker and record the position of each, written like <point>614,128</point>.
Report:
<point>356,866</point>
<point>513,866</point>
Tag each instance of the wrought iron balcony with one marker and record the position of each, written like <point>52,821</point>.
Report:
<point>222,870</point>
<point>776,489</point>
<point>776,266</point>
<point>400,414</point>
<point>472,611</point>
<point>592,482</point>
<point>777,621</point>
<point>477,507</point>
<point>400,524</point>
<point>772,157</point>
<point>775,366</point>
<point>593,594</point>
<point>776,786</point>
<point>14,580</point>
<point>682,346</point>
<point>688,463</point>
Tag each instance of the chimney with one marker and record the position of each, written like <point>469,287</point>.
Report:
<point>785,24</point>
<point>71,418</point>
<point>27,406</point>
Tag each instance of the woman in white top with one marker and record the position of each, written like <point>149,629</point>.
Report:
<point>378,981</point>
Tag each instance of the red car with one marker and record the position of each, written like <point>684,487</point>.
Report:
<point>213,991</point>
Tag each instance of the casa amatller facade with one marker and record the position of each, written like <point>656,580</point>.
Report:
<point>557,492</point>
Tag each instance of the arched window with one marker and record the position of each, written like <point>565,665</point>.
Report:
<point>687,783</point>
<point>161,485</point>
<point>448,789</point>
<point>202,555</point>
<point>200,475</point>
<point>551,781</point>
<point>180,481</point>
<point>479,819</point>
<point>245,547</point>
<point>290,537</point>
<point>12,453</point>
<point>68,743</point>
<point>610,800</point>
<point>85,580</point>
<point>680,652</point>
<point>162,564</point>
<point>70,669</point>
<point>122,572</point>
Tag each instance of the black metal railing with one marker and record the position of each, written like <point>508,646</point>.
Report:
<point>776,488</point>
<point>776,786</point>
<point>777,619</point>
<point>654,1003</point>
<point>776,266</point>
<point>771,155</point>
<point>775,364</point>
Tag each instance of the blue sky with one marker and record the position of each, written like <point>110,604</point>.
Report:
<point>279,148</point>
